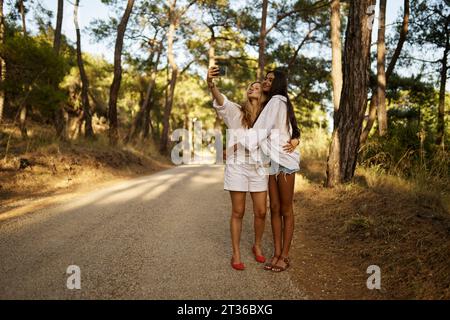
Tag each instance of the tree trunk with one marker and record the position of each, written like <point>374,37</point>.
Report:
<point>60,123</point>
<point>212,48</point>
<point>373,105</point>
<point>336,65</point>
<point>173,80</point>
<point>59,20</point>
<point>59,113</point>
<point>348,119</point>
<point>23,16</point>
<point>148,98</point>
<point>381,70</point>
<point>441,112</point>
<point>23,121</point>
<point>212,62</point>
<point>2,61</point>
<point>401,40</point>
<point>23,108</point>
<point>115,86</point>
<point>262,41</point>
<point>88,131</point>
<point>141,121</point>
<point>374,101</point>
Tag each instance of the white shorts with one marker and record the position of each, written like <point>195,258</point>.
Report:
<point>244,178</point>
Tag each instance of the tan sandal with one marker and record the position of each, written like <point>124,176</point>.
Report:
<point>280,269</point>
<point>269,265</point>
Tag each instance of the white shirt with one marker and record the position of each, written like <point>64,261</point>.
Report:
<point>231,114</point>
<point>271,133</point>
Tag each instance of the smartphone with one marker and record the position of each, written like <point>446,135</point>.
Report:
<point>222,69</point>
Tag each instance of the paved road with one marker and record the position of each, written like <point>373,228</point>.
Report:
<point>164,236</point>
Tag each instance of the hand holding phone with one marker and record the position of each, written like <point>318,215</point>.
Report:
<point>213,72</point>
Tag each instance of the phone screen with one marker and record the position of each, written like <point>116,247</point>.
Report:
<point>222,69</point>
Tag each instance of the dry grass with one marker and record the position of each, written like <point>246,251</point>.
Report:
<point>401,225</point>
<point>53,167</point>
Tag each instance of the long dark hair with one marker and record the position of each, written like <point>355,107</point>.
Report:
<point>280,87</point>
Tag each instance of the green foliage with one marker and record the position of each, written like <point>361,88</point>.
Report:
<point>99,73</point>
<point>297,44</point>
<point>309,80</point>
<point>409,149</point>
<point>430,22</point>
<point>191,102</point>
<point>33,69</point>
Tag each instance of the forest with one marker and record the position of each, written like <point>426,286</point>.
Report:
<point>368,80</point>
<point>155,82</point>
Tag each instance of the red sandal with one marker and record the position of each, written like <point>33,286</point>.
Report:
<point>237,266</point>
<point>260,259</point>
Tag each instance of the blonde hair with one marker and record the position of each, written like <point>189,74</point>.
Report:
<point>246,117</point>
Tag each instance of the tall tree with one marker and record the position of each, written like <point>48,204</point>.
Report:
<point>146,122</point>
<point>444,71</point>
<point>59,21</point>
<point>373,105</point>
<point>349,118</point>
<point>59,113</point>
<point>23,109</point>
<point>87,117</point>
<point>2,61</point>
<point>218,20</point>
<point>262,41</point>
<point>401,39</point>
<point>22,11</point>
<point>284,12</point>
<point>381,71</point>
<point>141,123</point>
<point>430,32</point>
<point>115,86</point>
<point>336,47</point>
<point>174,16</point>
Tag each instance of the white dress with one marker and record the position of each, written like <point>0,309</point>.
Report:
<point>240,173</point>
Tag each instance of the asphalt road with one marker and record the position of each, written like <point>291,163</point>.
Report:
<point>163,236</point>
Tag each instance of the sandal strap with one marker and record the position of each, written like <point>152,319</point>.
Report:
<point>285,259</point>
<point>270,265</point>
<point>279,269</point>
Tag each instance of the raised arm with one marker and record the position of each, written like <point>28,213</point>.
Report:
<point>213,73</point>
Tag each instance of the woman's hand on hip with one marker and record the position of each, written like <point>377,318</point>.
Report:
<point>291,145</point>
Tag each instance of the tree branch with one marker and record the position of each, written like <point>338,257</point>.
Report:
<point>185,9</point>
<point>307,37</point>
<point>401,41</point>
<point>289,13</point>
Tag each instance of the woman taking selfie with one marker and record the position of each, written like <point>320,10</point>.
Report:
<point>277,120</point>
<point>241,176</point>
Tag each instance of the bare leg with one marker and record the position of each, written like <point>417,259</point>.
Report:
<point>286,183</point>
<point>259,210</point>
<point>275,216</point>
<point>238,210</point>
